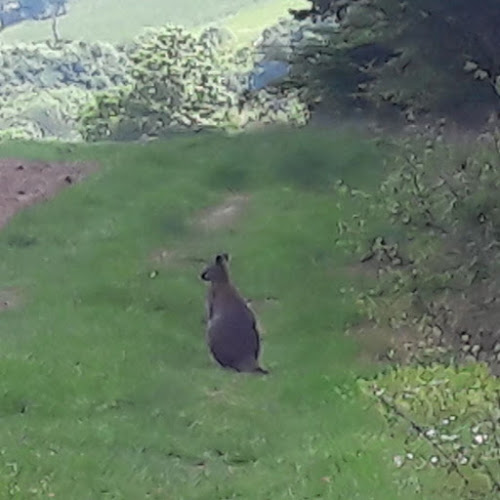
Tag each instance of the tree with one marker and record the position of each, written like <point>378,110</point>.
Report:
<point>445,53</point>
<point>184,82</point>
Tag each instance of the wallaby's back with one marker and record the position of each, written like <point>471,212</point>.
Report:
<point>232,334</point>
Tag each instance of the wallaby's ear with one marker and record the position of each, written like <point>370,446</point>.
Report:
<point>222,257</point>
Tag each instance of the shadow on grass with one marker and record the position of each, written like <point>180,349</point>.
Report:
<point>304,159</point>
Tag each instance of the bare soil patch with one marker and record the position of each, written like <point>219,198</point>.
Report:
<point>380,344</point>
<point>26,182</point>
<point>225,214</point>
<point>470,322</point>
<point>9,298</point>
<point>362,272</point>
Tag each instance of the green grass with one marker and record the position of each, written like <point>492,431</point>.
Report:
<point>121,20</point>
<point>106,387</point>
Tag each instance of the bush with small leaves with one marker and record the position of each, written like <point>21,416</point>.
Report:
<point>451,417</point>
<point>50,114</point>
<point>20,130</point>
<point>185,82</point>
<point>42,88</point>
<point>89,66</point>
<point>438,263</point>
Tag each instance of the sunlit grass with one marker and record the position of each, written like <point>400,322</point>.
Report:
<point>106,387</point>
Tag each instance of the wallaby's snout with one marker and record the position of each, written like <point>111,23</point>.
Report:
<point>205,274</point>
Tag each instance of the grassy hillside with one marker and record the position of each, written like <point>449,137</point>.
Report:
<point>121,20</point>
<point>107,390</point>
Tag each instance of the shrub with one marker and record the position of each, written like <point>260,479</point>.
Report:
<point>48,114</point>
<point>184,82</point>
<point>42,89</point>
<point>438,263</point>
<point>451,419</point>
<point>89,66</point>
<point>419,56</point>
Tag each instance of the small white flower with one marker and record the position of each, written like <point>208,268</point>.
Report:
<point>398,461</point>
<point>434,460</point>
<point>410,456</point>
<point>430,433</point>
<point>379,392</point>
<point>452,418</point>
<point>478,439</point>
<point>449,437</point>
<point>463,460</point>
<point>445,421</point>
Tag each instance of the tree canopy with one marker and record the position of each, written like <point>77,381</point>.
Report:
<point>445,53</point>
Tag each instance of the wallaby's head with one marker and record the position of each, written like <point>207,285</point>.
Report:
<point>217,272</point>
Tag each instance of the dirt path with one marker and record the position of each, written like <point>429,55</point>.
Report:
<point>26,182</point>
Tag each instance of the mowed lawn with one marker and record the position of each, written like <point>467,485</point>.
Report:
<point>119,21</point>
<point>106,387</point>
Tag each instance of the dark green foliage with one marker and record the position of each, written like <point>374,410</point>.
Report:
<point>104,113</point>
<point>438,267</point>
<point>42,89</point>
<point>427,56</point>
<point>88,66</point>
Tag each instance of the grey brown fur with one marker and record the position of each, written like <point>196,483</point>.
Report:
<point>232,335</point>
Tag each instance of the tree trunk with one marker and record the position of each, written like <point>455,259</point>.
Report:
<point>55,32</point>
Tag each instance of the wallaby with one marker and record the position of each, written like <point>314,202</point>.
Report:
<point>232,334</point>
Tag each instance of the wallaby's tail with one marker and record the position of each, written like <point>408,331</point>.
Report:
<point>261,371</point>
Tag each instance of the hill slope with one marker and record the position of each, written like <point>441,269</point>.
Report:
<point>107,390</point>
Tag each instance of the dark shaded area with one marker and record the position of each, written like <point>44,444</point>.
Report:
<point>433,58</point>
<point>267,73</point>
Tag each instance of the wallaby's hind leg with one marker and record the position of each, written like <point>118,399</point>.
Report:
<point>248,366</point>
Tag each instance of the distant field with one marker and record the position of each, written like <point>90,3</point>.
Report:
<point>251,20</point>
<point>121,20</point>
